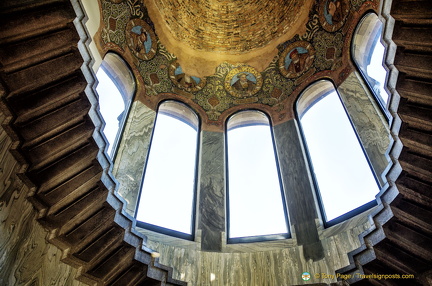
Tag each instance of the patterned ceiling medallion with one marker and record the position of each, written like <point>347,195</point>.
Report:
<point>296,59</point>
<point>243,81</point>
<point>333,13</point>
<point>141,39</point>
<point>184,81</point>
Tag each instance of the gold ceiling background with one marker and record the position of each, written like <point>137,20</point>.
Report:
<point>319,50</point>
<point>233,26</point>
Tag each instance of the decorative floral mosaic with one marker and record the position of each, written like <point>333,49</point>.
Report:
<point>319,50</point>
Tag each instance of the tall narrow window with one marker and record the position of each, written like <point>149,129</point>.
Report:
<point>345,180</point>
<point>116,86</point>
<point>256,206</point>
<point>368,54</point>
<point>166,203</point>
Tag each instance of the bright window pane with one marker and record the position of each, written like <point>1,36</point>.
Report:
<point>111,106</point>
<point>368,53</point>
<point>376,72</point>
<point>255,197</point>
<point>168,188</point>
<point>344,177</point>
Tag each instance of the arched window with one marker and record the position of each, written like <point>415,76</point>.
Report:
<point>256,206</point>
<point>167,200</point>
<point>344,179</point>
<point>368,54</point>
<point>116,87</point>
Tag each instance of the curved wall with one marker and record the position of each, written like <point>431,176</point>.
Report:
<point>406,221</point>
<point>311,248</point>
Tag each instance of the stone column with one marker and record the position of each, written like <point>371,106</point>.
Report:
<point>211,198</point>
<point>298,189</point>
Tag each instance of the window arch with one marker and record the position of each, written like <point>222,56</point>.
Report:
<point>116,87</point>
<point>344,180</point>
<point>368,54</point>
<point>256,205</point>
<point>167,200</point>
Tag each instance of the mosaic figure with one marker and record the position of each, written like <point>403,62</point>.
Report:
<point>141,39</point>
<point>333,14</point>
<point>183,80</point>
<point>243,81</point>
<point>296,59</point>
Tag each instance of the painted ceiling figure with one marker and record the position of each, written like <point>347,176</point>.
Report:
<point>298,61</point>
<point>243,83</point>
<point>335,11</point>
<point>140,39</point>
<point>186,80</point>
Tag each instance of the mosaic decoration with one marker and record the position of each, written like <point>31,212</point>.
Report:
<point>243,81</point>
<point>141,39</point>
<point>328,50</point>
<point>213,97</point>
<point>136,10</point>
<point>296,59</point>
<point>333,14</point>
<point>276,86</point>
<point>312,27</point>
<point>185,81</point>
<point>115,20</point>
<point>155,74</point>
<point>229,25</point>
<point>315,53</point>
<point>357,3</point>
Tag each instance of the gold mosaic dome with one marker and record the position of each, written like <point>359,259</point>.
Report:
<point>203,34</point>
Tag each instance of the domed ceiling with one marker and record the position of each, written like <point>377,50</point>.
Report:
<point>220,56</point>
<point>230,26</point>
<point>203,34</point>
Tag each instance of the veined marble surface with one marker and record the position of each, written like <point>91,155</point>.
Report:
<point>209,260</point>
<point>211,197</point>
<point>26,258</point>
<point>132,154</point>
<point>299,192</point>
<point>370,124</point>
<point>281,262</point>
<point>282,266</point>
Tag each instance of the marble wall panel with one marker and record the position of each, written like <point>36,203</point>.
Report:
<point>371,125</point>
<point>209,260</point>
<point>211,191</point>
<point>282,262</point>
<point>26,258</point>
<point>298,188</point>
<point>282,266</point>
<point>132,153</point>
